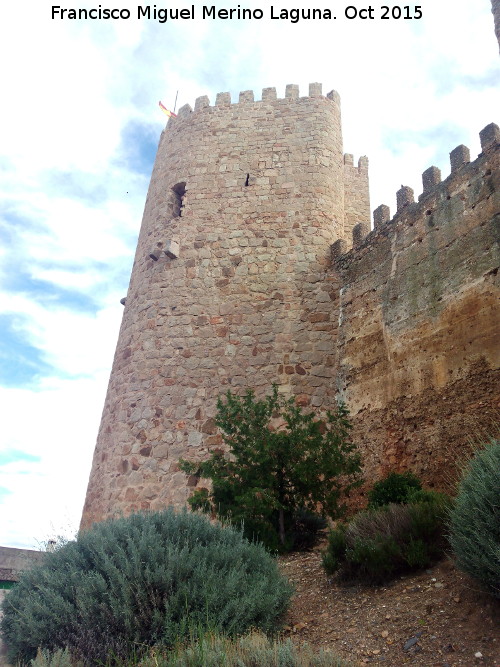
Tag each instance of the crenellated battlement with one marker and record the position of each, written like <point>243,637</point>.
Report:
<point>268,95</point>
<point>436,193</point>
<point>362,165</point>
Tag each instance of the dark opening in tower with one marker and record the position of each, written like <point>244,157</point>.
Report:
<point>179,191</point>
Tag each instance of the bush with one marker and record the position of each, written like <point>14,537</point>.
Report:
<point>305,529</point>
<point>475,519</point>
<point>252,650</point>
<point>139,581</point>
<point>334,555</point>
<point>60,658</point>
<point>395,488</point>
<point>381,543</point>
<point>279,462</point>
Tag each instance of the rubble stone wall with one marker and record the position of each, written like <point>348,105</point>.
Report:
<point>356,195</point>
<point>419,308</point>
<point>244,202</point>
<point>495,8</point>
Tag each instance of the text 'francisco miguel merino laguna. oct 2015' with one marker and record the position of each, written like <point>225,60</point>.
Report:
<point>294,15</point>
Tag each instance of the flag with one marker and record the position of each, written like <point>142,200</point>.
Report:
<point>169,113</point>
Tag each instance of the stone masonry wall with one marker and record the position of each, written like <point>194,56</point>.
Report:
<point>419,310</point>
<point>356,195</point>
<point>14,561</point>
<point>495,8</point>
<point>220,295</point>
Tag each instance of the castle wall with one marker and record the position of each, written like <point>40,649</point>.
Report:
<point>495,8</point>
<point>259,187</point>
<point>356,195</point>
<point>418,344</point>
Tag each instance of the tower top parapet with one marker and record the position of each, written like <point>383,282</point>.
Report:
<point>223,99</point>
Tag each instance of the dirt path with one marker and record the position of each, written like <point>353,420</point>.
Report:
<point>439,615</point>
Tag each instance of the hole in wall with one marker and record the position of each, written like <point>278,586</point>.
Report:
<point>247,179</point>
<point>179,192</point>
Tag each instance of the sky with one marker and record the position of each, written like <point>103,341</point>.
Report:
<point>79,128</point>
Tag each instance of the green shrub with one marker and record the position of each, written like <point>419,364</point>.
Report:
<point>60,658</point>
<point>279,461</point>
<point>334,555</point>
<point>139,581</point>
<point>252,650</point>
<point>306,527</point>
<point>381,543</point>
<point>372,560</point>
<point>426,496</point>
<point>394,488</point>
<point>475,519</point>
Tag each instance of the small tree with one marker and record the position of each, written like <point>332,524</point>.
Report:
<point>280,461</point>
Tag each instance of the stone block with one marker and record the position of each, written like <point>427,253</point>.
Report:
<point>201,102</point>
<point>338,248</point>
<point>246,96</point>
<point>359,232</point>
<point>489,136</point>
<point>222,99</point>
<point>430,178</point>
<point>315,89</point>
<point>404,197</point>
<point>381,215</point>
<point>268,94</point>
<point>458,157</point>
<point>172,249</point>
<point>292,91</point>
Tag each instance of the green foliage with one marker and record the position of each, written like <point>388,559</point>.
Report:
<point>373,560</point>
<point>140,581</point>
<point>251,650</point>
<point>427,496</point>
<point>334,555</point>
<point>475,519</point>
<point>60,658</point>
<point>280,463</point>
<point>381,543</point>
<point>305,528</point>
<point>394,488</point>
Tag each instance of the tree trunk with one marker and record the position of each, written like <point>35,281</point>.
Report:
<point>282,527</point>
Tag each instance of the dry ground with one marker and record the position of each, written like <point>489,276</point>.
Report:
<point>450,622</point>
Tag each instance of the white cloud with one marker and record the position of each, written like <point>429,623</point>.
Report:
<point>57,423</point>
<point>72,197</point>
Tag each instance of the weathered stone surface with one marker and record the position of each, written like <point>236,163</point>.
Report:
<point>254,194</point>
<point>262,203</point>
<point>495,8</point>
<point>418,347</point>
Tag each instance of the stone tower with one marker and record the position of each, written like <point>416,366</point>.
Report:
<point>495,8</point>
<point>228,286</point>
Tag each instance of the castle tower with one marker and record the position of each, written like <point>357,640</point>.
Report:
<point>495,8</point>
<point>227,288</point>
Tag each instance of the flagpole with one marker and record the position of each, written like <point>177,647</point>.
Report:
<point>175,103</point>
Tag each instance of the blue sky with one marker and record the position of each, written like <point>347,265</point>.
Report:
<point>80,126</point>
